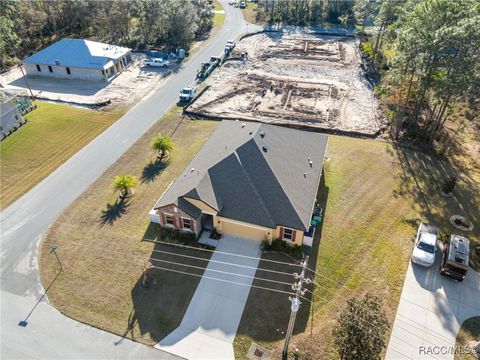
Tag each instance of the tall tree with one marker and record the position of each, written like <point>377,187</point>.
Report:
<point>360,331</point>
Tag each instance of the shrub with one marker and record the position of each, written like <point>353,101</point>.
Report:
<point>449,185</point>
<point>175,235</point>
<point>367,49</point>
<point>294,251</point>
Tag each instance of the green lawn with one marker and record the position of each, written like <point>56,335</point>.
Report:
<point>468,335</point>
<point>250,14</point>
<point>53,133</point>
<point>374,195</point>
<point>218,18</point>
<point>100,244</point>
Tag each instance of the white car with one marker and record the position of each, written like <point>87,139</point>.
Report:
<point>157,62</point>
<point>187,93</point>
<point>425,245</point>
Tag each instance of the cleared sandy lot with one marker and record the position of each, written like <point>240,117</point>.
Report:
<point>130,86</point>
<point>301,79</point>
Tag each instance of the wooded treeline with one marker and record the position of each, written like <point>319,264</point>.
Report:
<point>29,25</point>
<point>306,12</point>
<point>427,55</point>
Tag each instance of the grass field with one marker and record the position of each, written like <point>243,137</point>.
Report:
<point>53,133</point>
<point>250,14</point>
<point>468,335</point>
<point>219,17</point>
<point>374,196</point>
<point>100,244</point>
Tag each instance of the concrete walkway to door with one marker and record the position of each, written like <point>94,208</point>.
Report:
<point>211,321</point>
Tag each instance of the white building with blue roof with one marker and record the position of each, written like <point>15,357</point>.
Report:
<point>79,59</point>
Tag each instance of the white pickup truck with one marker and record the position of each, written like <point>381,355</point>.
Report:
<point>187,93</point>
<point>156,62</point>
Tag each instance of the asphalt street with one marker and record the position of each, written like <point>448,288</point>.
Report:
<point>48,334</point>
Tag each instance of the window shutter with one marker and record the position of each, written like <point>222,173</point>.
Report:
<point>174,221</point>
<point>281,233</point>
<point>294,233</point>
<point>192,224</point>
<point>164,219</point>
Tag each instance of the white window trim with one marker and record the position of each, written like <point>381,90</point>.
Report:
<point>287,239</point>
<point>166,223</point>
<point>185,228</point>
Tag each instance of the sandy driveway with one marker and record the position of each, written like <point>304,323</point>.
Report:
<point>210,323</point>
<point>432,308</point>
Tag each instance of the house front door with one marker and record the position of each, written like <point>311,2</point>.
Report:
<point>207,222</point>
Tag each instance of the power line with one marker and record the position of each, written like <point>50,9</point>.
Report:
<point>221,252</point>
<point>223,272</point>
<point>223,262</point>
<point>223,280</point>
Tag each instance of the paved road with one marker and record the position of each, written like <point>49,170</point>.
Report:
<point>211,321</point>
<point>432,308</point>
<point>49,334</point>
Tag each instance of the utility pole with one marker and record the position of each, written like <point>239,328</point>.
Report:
<point>298,287</point>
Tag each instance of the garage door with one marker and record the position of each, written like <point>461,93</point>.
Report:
<point>243,231</point>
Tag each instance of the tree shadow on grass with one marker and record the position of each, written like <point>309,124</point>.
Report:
<point>420,180</point>
<point>152,170</point>
<point>114,211</point>
<point>159,306</point>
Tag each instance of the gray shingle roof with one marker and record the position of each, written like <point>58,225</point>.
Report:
<point>264,180</point>
<point>78,53</point>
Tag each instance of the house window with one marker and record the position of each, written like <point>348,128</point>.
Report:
<point>287,234</point>
<point>186,223</point>
<point>68,70</point>
<point>169,220</point>
<point>50,68</point>
<point>38,68</point>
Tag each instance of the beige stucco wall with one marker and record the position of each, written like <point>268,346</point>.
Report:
<point>61,72</point>
<point>298,235</point>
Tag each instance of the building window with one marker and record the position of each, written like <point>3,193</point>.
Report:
<point>186,223</point>
<point>50,68</point>
<point>68,70</point>
<point>169,220</point>
<point>38,68</point>
<point>287,234</point>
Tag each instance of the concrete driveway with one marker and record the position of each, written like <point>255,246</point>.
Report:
<point>211,321</point>
<point>432,308</point>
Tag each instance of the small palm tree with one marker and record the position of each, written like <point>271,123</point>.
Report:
<point>162,144</point>
<point>124,183</point>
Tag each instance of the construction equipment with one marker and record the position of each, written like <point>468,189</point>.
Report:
<point>207,67</point>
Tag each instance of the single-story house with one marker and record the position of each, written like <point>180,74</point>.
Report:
<point>79,59</point>
<point>251,180</point>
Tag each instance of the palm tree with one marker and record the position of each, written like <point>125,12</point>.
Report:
<point>124,183</point>
<point>162,144</point>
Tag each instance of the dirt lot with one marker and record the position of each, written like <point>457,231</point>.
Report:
<point>130,86</point>
<point>296,79</point>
